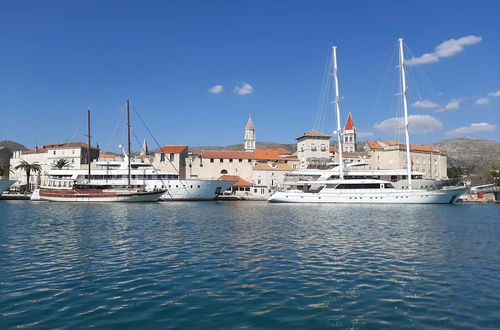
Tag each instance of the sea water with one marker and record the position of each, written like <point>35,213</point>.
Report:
<point>250,265</point>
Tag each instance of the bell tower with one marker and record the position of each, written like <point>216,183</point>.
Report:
<point>349,135</point>
<point>249,136</point>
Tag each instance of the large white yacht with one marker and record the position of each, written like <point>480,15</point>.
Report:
<point>116,173</point>
<point>366,186</point>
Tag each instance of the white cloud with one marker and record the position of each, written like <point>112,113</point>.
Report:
<point>244,89</point>
<point>417,124</point>
<point>445,49</point>
<point>472,128</point>
<point>217,89</point>
<point>363,135</point>
<point>494,94</point>
<point>482,100</point>
<point>425,104</point>
<point>453,104</point>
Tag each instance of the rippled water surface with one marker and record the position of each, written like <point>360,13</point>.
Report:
<point>249,265</point>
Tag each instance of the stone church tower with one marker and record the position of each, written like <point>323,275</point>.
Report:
<point>349,135</point>
<point>249,136</point>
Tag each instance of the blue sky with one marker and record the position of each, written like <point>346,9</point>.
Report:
<point>59,57</point>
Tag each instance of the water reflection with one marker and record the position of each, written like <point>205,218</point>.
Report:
<point>247,265</point>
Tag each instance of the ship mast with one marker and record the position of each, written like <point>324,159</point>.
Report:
<point>405,108</point>
<point>128,136</point>
<point>337,110</point>
<point>89,137</point>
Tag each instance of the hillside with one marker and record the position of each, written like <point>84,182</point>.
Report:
<point>469,154</point>
<point>13,146</point>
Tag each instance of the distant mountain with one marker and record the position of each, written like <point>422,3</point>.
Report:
<point>12,146</point>
<point>469,154</point>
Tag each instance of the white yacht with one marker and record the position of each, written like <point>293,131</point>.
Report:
<point>116,173</point>
<point>366,186</point>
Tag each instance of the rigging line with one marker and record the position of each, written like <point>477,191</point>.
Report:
<point>425,77</point>
<point>82,118</point>
<point>156,141</point>
<point>117,123</point>
<point>388,70</point>
<point>320,111</point>
<point>152,165</point>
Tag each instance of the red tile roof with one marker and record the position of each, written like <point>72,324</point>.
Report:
<point>270,154</point>
<point>239,181</point>
<point>57,145</point>
<point>313,133</point>
<point>108,156</point>
<point>375,145</point>
<point>276,154</point>
<point>349,125</point>
<point>171,149</point>
<point>34,151</point>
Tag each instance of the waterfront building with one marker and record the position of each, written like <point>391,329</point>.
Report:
<point>392,155</point>
<point>313,149</point>
<point>75,152</point>
<point>172,159</point>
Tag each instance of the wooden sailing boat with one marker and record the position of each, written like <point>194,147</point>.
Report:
<point>66,190</point>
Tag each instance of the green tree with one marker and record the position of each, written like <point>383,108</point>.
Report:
<point>454,172</point>
<point>61,163</point>
<point>28,168</point>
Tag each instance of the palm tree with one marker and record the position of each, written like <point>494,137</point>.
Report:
<point>61,162</point>
<point>28,168</point>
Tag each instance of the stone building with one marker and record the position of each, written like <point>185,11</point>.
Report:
<point>172,159</point>
<point>313,148</point>
<point>392,155</point>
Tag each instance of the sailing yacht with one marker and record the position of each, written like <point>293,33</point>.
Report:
<point>62,189</point>
<point>347,187</point>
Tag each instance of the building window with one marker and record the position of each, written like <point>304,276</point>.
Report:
<point>162,157</point>
<point>223,172</point>
<point>222,160</point>
<point>323,148</point>
<point>231,160</point>
<point>313,147</point>
<point>240,160</point>
<point>172,157</point>
<point>211,160</point>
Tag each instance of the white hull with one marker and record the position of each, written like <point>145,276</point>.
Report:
<point>5,184</point>
<point>192,189</point>
<point>394,196</point>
